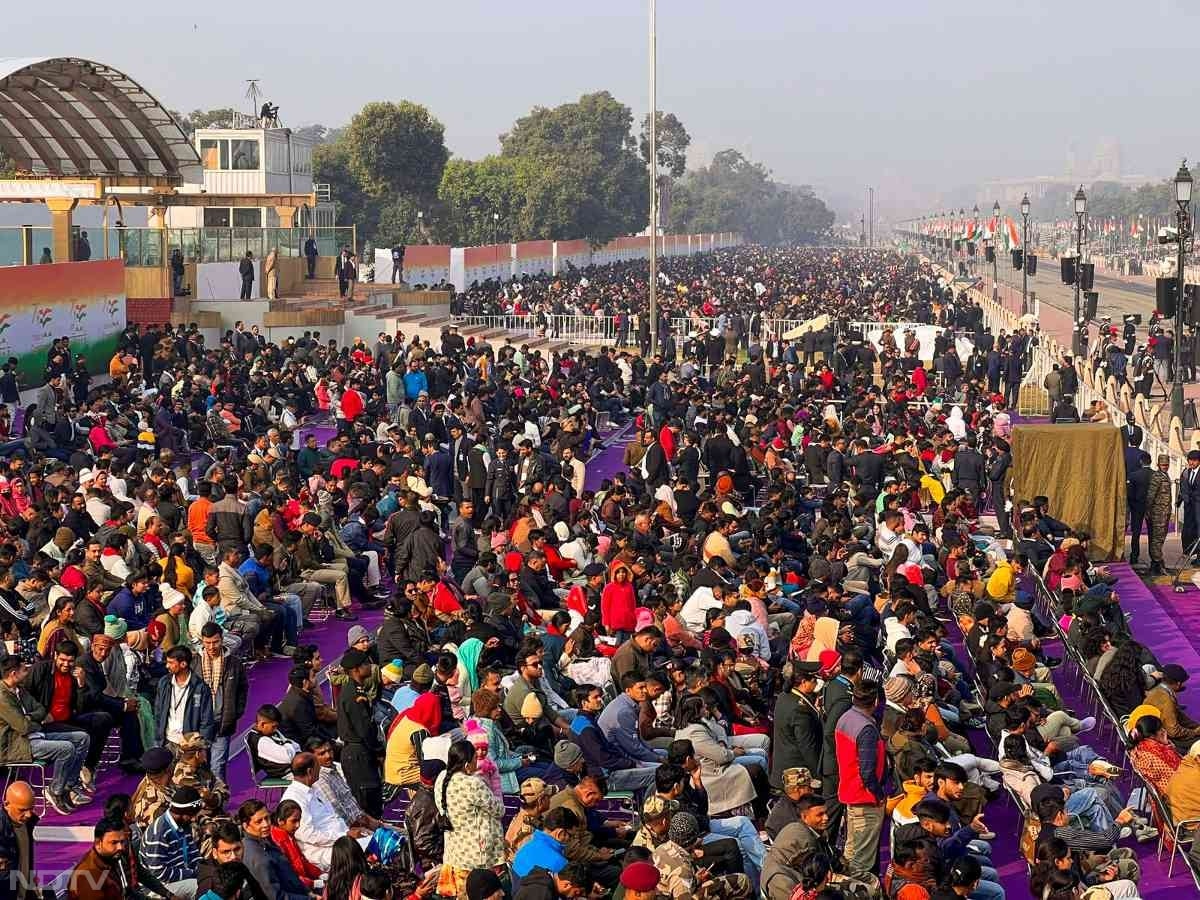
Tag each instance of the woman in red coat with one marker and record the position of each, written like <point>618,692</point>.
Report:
<point>618,606</point>
<point>283,830</point>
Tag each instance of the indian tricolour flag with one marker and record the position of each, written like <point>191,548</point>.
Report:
<point>1012,237</point>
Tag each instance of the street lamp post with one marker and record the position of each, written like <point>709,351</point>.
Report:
<point>653,148</point>
<point>1025,255</point>
<point>996,252</point>
<point>496,240</point>
<point>1183,199</point>
<point>974,260</point>
<point>1080,212</point>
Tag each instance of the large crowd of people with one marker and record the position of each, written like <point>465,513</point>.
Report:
<point>763,592</point>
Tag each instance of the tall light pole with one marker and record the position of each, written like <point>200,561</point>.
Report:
<point>1080,212</point>
<point>653,184</point>
<point>496,238</point>
<point>996,252</point>
<point>871,209</point>
<point>1025,255</point>
<point>975,237</point>
<point>1183,199</point>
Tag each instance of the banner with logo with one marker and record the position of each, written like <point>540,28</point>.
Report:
<point>83,302</point>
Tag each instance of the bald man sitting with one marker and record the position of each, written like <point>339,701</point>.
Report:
<point>17,821</point>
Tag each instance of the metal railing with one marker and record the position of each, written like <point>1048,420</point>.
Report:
<point>25,245</point>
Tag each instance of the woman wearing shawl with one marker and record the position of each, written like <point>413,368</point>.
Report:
<point>402,760</point>
<point>803,637</point>
<point>468,665</point>
<point>825,637</point>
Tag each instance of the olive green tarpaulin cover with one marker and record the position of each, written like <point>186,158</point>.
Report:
<point>1081,468</point>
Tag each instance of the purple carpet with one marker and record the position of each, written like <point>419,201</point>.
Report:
<point>268,682</point>
<point>1157,623</point>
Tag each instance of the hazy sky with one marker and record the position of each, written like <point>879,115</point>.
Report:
<point>916,97</point>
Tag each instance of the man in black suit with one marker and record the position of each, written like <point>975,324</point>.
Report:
<point>1137,487</point>
<point>835,463</point>
<point>1132,432</point>
<point>868,466</point>
<point>655,469</point>
<point>718,450</point>
<point>460,458</point>
<point>969,471</point>
<point>246,270</point>
<point>1189,498</point>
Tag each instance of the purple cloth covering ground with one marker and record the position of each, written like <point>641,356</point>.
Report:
<point>1158,621</point>
<point>268,682</point>
<point>1167,622</point>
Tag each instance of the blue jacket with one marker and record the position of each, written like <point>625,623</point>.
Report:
<point>256,575</point>
<point>619,725</point>
<point>597,751</point>
<point>414,383</point>
<point>539,852</point>
<point>197,708</point>
<point>133,608</point>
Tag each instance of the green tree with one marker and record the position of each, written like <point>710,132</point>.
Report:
<point>671,143</point>
<point>484,199</point>
<point>7,167</point>
<point>733,193</point>
<point>398,223</point>
<point>318,134</point>
<point>396,148</point>
<point>585,160</point>
<point>222,117</point>
<point>331,165</point>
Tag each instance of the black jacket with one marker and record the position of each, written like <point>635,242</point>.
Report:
<point>419,553</point>
<point>234,688</point>
<point>656,466</point>
<point>420,820</point>
<point>537,885</point>
<point>797,739</point>
<point>40,685</point>
<point>404,639</point>
<point>9,853</point>
<point>969,469</point>
<point>299,714</point>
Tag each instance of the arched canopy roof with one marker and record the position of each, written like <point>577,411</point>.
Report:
<point>72,118</point>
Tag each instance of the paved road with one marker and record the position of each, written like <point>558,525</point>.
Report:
<point>1118,297</point>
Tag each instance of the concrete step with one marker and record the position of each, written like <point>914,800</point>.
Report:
<point>435,321</point>
<point>399,315</point>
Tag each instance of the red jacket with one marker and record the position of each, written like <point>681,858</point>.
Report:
<point>666,440</point>
<point>306,870</point>
<point>618,606</point>
<point>861,759</point>
<point>557,563</point>
<point>352,405</point>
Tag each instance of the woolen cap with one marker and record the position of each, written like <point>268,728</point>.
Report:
<point>531,706</point>
<point>566,754</point>
<point>423,675</point>
<point>685,830</point>
<point>482,883</point>
<point>897,689</point>
<point>1174,672</point>
<point>352,659</point>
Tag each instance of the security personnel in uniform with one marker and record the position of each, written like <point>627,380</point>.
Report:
<point>362,749</point>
